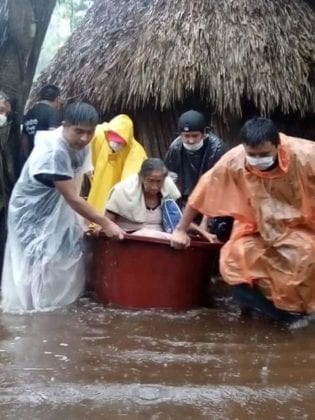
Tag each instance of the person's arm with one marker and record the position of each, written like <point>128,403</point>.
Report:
<point>220,150</point>
<point>25,146</point>
<point>111,216</point>
<point>204,232</point>
<point>179,238</point>
<point>53,120</point>
<point>68,190</point>
<point>204,222</point>
<point>170,160</point>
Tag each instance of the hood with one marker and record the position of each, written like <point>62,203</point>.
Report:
<point>121,125</point>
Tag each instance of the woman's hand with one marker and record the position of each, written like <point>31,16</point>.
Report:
<point>213,239</point>
<point>111,229</point>
<point>204,233</point>
<point>93,229</point>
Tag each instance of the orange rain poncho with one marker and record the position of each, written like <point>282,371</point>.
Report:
<point>273,240</point>
<point>112,167</point>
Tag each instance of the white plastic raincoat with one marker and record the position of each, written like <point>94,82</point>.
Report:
<point>43,265</point>
<point>87,166</point>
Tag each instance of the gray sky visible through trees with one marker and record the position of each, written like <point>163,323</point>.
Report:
<point>67,15</point>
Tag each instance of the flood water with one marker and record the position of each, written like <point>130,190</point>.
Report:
<point>93,362</point>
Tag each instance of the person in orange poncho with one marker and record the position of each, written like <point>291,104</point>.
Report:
<point>268,185</point>
<point>115,156</point>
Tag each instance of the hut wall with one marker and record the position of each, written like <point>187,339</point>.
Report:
<point>155,129</point>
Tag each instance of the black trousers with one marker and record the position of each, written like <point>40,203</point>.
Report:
<point>251,297</point>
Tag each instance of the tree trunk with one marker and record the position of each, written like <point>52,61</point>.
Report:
<point>26,25</point>
<point>23,25</point>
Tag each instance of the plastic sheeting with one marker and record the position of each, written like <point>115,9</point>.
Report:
<point>87,167</point>
<point>273,239</point>
<point>43,265</point>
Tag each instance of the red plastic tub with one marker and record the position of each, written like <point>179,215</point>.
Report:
<point>141,272</point>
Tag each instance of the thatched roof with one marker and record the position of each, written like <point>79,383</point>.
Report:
<point>130,53</point>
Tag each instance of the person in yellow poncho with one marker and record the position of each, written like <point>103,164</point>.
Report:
<point>116,154</point>
<point>268,185</point>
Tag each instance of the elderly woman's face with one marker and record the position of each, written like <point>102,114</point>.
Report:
<point>153,183</point>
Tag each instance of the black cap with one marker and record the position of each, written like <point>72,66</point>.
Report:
<point>192,121</point>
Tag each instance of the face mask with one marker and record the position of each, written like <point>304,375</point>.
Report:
<point>261,163</point>
<point>3,120</point>
<point>116,147</point>
<point>193,147</point>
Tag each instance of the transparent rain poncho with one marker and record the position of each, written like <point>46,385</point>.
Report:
<point>43,265</point>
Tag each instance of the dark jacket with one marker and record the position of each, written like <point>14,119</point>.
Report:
<point>189,166</point>
<point>181,161</point>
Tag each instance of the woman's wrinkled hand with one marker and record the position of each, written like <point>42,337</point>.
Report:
<point>90,228</point>
<point>211,237</point>
<point>96,229</point>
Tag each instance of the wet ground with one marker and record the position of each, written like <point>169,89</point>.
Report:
<point>91,362</point>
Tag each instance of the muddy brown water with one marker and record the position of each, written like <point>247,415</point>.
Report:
<point>93,362</point>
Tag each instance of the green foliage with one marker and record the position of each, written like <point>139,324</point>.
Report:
<point>66,17</point>
<point>74,10</point>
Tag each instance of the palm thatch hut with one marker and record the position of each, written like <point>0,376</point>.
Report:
<point>155,58</point>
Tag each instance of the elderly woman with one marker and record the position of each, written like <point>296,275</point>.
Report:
<point>135,203</point>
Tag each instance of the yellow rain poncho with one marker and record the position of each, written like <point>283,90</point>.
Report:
<point>111,167</point>
<point>273,239</point>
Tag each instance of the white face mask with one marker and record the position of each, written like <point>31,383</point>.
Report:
<point>116,147</point>
<point>193,147</point>
<point>261,163</point>
<point>3,120</point>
